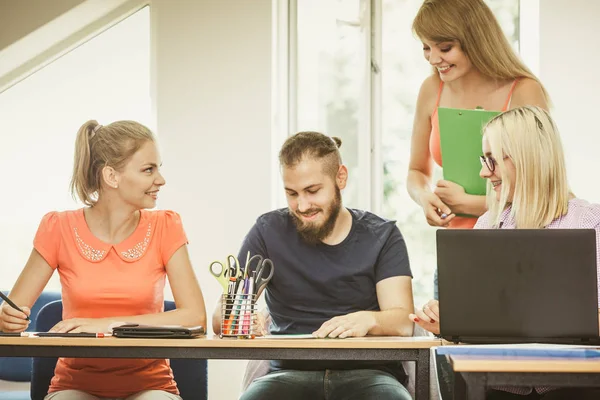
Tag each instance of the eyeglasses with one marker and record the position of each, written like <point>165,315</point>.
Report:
<point>490,162</point>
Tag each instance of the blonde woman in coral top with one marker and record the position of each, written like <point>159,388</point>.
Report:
<point>473,66</point>
<point>112,257</point>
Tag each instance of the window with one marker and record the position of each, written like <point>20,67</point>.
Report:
<point>331,76</point>
<point>107,78</point>
<point>336,88</point>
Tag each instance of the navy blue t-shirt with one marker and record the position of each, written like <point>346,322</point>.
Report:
<point>314,283</point>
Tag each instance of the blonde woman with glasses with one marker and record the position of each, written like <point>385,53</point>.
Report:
<point>524,164</point>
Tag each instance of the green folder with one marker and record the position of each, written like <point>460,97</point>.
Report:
<point>460,141</point>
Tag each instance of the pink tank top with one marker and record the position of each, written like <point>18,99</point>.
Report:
<point>436,150</point>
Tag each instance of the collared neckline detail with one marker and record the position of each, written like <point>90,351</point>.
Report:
<point>131,249</point>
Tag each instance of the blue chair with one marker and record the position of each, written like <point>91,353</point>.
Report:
<point>190,374</point>
<point>18,369</point>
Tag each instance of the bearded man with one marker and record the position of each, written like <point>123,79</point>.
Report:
<point>339,272</point>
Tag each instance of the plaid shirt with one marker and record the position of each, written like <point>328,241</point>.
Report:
<point>580,215</point>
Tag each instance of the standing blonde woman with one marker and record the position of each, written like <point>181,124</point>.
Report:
<point>524,164</point>
<point>112,257</point>
<point>473,66</point>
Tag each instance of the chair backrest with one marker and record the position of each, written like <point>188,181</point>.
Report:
<point>18,369</point>
<point>190,374</point>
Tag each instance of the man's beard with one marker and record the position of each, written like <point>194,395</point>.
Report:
<point>313,233</point>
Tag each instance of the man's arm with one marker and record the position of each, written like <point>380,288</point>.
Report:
<point>395,301</point>
<point>394,295</point>
<point>394,288</point>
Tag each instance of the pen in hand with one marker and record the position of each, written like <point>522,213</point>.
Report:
<point>13,305</point>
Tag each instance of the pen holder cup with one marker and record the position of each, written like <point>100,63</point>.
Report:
<point>239,316</point>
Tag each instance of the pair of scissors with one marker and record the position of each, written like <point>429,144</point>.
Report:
<point>262,273</point>
<point>226,271</point>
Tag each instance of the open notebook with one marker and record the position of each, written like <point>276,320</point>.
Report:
<point>291,336</point>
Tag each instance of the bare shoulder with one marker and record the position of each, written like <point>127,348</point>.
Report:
<point>528,85</point>
<point>428,93</point>
<point>529,92</point>
<point>430,86</point>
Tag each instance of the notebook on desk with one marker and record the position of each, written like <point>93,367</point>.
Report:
<point>518,285</point>
<point>157,331</point>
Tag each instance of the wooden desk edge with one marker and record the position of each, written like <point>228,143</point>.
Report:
<point>216,342</point>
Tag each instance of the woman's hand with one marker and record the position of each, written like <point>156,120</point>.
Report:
<point>12,320</point>
<point>90,325</point>
<point>452,194</point>
<point>428,317</point>
<point>436,212</point>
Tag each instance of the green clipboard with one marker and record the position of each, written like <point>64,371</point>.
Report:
<point>460,142</point>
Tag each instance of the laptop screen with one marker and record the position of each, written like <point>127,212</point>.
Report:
<point>510,285</point>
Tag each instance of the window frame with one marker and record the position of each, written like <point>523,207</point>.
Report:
<point>370,155</point>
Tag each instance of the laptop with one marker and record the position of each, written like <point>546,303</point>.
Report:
<point>518,285</point>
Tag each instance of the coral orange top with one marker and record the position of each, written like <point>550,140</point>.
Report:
<point>436,150</point>
<point>102,280</point>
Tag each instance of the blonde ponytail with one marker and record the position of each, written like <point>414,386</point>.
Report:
<point>98,146</point>
<point>82,183</point>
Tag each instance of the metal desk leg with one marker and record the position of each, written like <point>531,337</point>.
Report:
<point>460,387</point>
<point>422,374</point>
<point>476,385</point>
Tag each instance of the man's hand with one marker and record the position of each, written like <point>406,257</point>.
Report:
<point>356,324</point>
<point>261,327</point>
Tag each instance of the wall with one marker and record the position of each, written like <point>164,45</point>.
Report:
<point>211,80</point>
<point>569,61</point>
<point>18,18</point>
<point>55,31</point>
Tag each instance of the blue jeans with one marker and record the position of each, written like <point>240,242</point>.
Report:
<point>327,385</point>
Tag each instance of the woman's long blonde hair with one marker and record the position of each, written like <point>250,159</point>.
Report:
<point>472,24</point>
<point>98,146</point>
<point>528,136</point>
